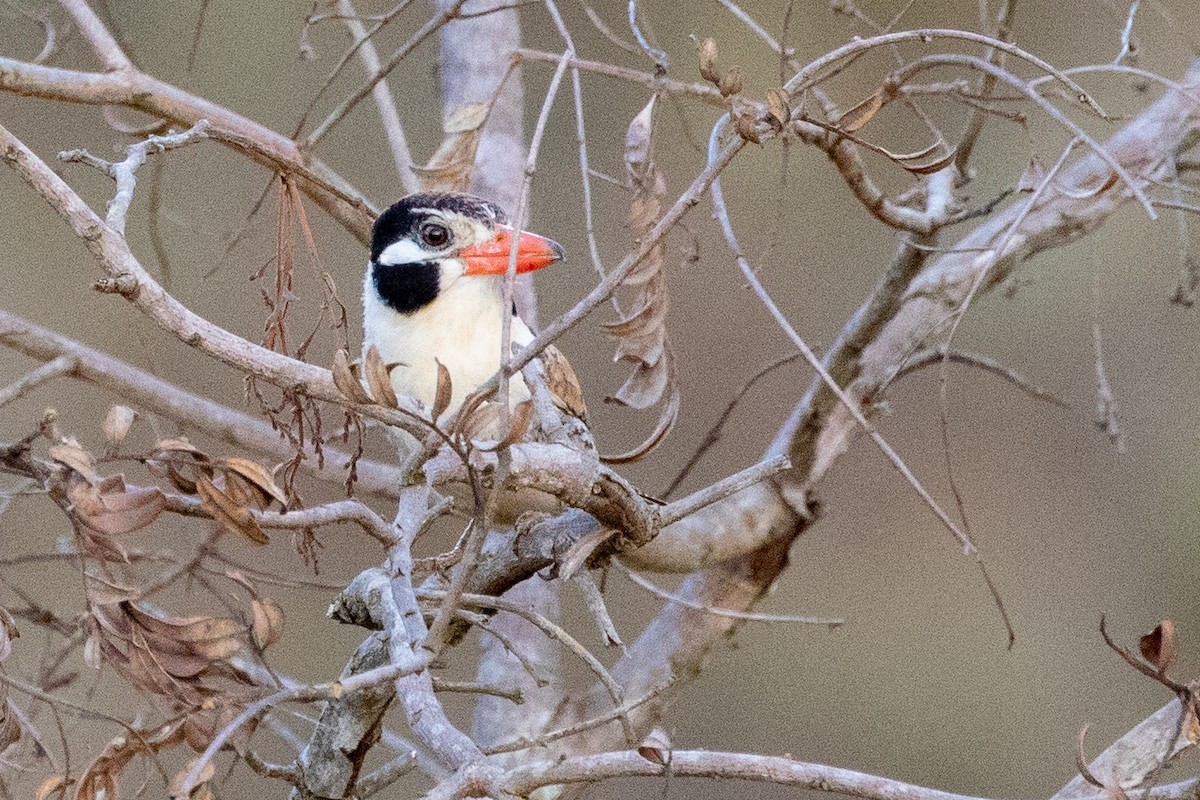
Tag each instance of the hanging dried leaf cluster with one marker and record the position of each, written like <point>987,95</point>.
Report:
<point>641,331</point>
<point>191,663</point>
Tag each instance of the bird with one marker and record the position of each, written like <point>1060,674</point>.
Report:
<point>433,293</point>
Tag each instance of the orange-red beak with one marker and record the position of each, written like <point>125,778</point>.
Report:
<point>491,258</point>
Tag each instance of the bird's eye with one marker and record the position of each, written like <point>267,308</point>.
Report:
<point>435,235</point>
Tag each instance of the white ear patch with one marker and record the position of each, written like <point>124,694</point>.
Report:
<point>405,251</point>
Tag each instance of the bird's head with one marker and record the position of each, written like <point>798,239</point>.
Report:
<point>426,242</point>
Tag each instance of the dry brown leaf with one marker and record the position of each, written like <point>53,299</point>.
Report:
<point>266,622</point>
<point>198,630</point>
<point>71,454</point>
<point>1160,646</point>
<point>183,658</point>
<point>862,113</point>
<point>449,169</point>
<point>379,379</point>
<point>479,423</point>
<point>779,107</point>
<point>257,474</point>
<point>100,778</point>
<point>200,789</point>
<point>1081,761</point>
<point>731,81</point>
<point>231,515</point>
<point>346,382</point>
<point>172,458</point>
<point>747,128</point>
<point>931,167</point>
<point>656,747</point>
<point>563,383</point>
<point>1191,723</point>
<point>578,554</point>
<point>53,788</point>
<point>111,508</point>
<point>243,492</point>
<point>641,331</point>
<point>117,423</point>
<point>666,421</point>
<point>445,390</point>
<point>708,61</point>
<point>519,422</point>
<point>93,652</point>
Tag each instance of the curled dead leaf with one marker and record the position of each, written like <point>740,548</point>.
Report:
<point>480,422</point>
<point>928,168</point>
<point>862,113</point>
<point>345,381</point>
<point>1081,761</point>
<point>708,61</point>
<point>110,508</point>
<point>230,514</point>
<point>72,455</point>
<point>100,778</point>
<point>117,423</point>
<point>519,422</point>
<point>200,788</point>
<point>379,379</point>
<point>445,390</point>
<point>262,478</point>
<point>731,81</point>
<point>656,747</point>
<point>779,107</point>
<point>8,632</point>
<point>266,622</point>
<point>1160,646</point>
<point>179,461</point>
<point>641,331</point>
<point>53,788</point>
<point>747,128</point>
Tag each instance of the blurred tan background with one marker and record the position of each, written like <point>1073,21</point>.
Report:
<point>918,685</point>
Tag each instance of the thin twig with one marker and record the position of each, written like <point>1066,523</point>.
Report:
<point>63,365</point>
<point>722,214</point>
<point>389,115</point>
<point>346,106</point>
<point>752,616</point>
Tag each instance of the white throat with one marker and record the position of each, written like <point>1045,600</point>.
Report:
<point>461,328</point>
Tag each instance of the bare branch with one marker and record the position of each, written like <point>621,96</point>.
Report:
<point>127,277</point>
<point>193,411</point>
<point>124,172</point>
<point>62,365</point>
<point>138,91</point>
<point>690,763</point>
<point>98,36</point>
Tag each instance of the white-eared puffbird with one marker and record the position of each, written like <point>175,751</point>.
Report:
<point>433,292</point>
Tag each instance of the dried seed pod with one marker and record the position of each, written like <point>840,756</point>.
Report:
<point>779,107</point>
<point>747,129</point>
<point>731,81</point>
